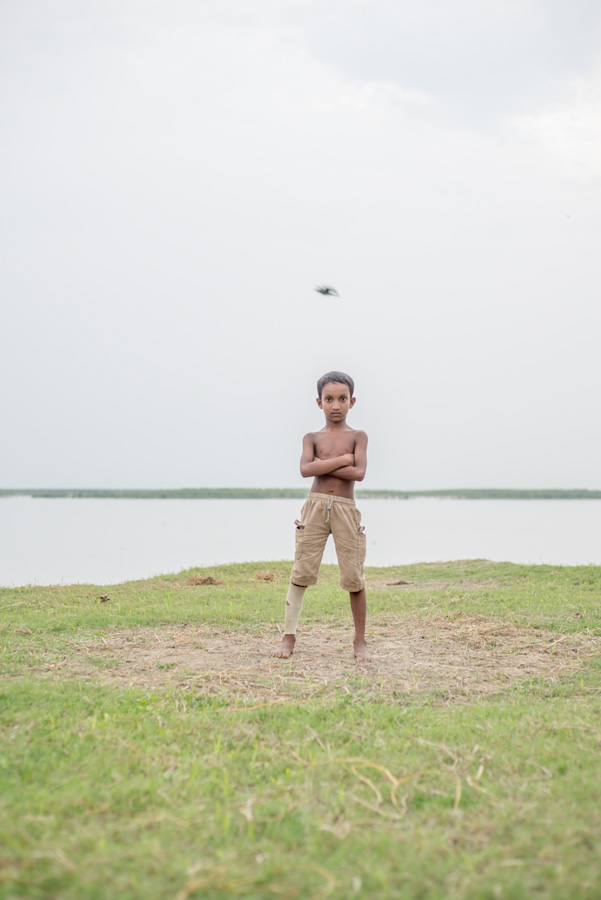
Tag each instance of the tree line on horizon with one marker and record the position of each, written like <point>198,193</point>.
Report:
<point>293,493</point>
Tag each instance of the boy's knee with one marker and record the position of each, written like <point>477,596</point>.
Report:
<point>353,587</point>
<point>303,574</point>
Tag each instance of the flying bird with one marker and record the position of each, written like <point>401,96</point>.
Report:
<point>327,291</point>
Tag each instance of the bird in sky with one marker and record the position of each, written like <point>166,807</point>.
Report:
<point>327,291</point>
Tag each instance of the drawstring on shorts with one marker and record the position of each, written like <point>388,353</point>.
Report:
<point>330,501</point>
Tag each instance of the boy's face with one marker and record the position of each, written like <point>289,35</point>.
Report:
<point>335,401</point>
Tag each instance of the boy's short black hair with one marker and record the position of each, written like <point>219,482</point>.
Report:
<point>337,378</point>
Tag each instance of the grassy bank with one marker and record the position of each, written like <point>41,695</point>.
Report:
<point>152,748</point>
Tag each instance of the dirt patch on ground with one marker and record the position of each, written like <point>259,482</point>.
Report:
<point>196,580</point>
<point>461,658</point>
<point>400,583</point>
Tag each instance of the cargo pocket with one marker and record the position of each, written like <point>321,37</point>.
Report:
<point>300,535</point>
<point>361,546</point>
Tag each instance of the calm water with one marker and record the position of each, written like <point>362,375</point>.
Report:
<point>107,541</point>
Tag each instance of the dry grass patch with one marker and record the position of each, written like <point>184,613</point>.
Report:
<point>266,576</point>
<point>460,658</point>
<point>203,579</point>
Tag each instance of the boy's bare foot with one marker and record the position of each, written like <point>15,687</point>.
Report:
<point>286,648</point>
<point>361,652</point>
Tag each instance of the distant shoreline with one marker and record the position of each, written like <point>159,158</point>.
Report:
<point>294,493</point>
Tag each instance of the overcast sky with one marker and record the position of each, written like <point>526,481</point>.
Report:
<point>176,177</point>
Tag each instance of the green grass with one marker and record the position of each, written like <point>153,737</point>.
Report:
<point>160,791</point>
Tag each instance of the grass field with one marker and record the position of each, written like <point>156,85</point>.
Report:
<point>152,748</point>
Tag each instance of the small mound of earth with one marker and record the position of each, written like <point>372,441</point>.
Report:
<point>202,579</point>
<point>462,657</point>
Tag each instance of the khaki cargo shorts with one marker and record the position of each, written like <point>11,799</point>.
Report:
<point>322,515</point>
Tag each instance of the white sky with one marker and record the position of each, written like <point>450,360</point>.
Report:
<point>176,177</point>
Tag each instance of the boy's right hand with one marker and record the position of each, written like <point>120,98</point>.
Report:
<point>349,459</point>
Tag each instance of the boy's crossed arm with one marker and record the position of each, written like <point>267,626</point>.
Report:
<point>356,470</point>
<point>347,466</point>
<point>312,466</point>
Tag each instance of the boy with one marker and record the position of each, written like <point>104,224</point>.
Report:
<point>336,457</point>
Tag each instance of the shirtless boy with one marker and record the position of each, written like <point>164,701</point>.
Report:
<point>335,457</point>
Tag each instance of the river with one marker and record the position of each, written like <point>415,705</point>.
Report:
<point>65,541</point>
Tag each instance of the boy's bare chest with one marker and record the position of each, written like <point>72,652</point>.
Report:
<point>329,445</point>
